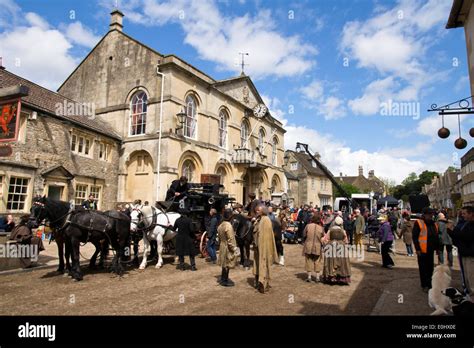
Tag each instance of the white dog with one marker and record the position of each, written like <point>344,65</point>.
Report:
<point>439,282</point>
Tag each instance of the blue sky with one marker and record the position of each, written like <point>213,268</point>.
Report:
<point>325,68</point>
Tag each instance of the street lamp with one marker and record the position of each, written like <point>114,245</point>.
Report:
<point>181,119</point>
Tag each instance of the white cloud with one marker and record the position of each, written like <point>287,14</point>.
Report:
<point>313,91</point>
<point>35,50</point>
<point>40,55</point>
<point>431,124</point>
<point>374,94</point>
<point>80,35</point>
<point>36,21</point>
<point>330,107</point>
<point>219,38</point>
<point>9,14</point>
<point>394,43</point>
<point>333,108</point>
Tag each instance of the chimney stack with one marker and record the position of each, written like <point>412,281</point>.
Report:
<point>361,171</point>
<point>116,20</point>
<point>1,64</point>
<point>371,174</point>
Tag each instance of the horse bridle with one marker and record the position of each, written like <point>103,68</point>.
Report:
<point>43,207</point>
<point>153,223</point>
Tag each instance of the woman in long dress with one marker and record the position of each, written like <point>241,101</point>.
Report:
<point>337,266</point>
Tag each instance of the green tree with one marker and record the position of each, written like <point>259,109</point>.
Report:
<point>389,185</point>
<point>413,184</point>
<point>350,189</point>
<point>412,177</point>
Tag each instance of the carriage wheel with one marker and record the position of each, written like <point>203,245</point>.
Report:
<point>203,244</point>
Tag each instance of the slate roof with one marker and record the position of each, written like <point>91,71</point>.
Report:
<point>363,183</point>
<point>45,100</point>
<point>305,161</point>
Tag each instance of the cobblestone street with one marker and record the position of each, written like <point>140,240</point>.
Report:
<point>373,291</point>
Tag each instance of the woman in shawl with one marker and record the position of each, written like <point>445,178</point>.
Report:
<point>337,266</point>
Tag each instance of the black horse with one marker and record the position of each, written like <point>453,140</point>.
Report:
<point>80,225</point>
<point>243,235</point>
<point>56,223</point>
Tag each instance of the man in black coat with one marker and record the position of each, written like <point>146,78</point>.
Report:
<point>90,204</point>
<point>185,239</point>
<point>463,239</point>
<point>178,189</point>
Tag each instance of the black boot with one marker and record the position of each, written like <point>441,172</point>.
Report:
<point>193,263</point>
<point>228,281</point>
<point>222,278</point>
<point>256,282</point>
<point>180,266</point>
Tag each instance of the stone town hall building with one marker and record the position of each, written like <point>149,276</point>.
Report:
<point>221,133</point>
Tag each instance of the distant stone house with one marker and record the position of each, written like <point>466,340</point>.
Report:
<point>292,183</point>
<point>467,182</point>
<point>365,185</point>
<point>58,153</point>
<point>313,187</point>
<point>444,190</point>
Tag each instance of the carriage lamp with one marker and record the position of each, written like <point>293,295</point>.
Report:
<point>181,119</point>
<point>286,159</point>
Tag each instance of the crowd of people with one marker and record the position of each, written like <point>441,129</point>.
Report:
<point>322,232</point>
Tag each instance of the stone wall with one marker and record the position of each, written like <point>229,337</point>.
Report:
<point>47,144</point>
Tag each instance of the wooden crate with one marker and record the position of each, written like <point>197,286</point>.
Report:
<point>210,179</point>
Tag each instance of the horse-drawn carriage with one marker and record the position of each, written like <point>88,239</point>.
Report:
<point>201,198</point>
<point>114,228</point>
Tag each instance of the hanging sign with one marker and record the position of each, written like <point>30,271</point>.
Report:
<point>9,120</point>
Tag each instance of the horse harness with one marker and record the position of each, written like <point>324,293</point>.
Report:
<point>154,223</point>
<point>68,222</point>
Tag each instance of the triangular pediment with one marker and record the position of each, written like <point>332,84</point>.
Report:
<point>57,172</point>
<point>242,89</point>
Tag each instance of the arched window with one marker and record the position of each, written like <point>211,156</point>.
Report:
<point>138,108</point>
<point>274,151</point>
<point>221,172</point>
<point>188,170</point>
<point>190,122</point>
<point>244,134</point>
<point>261,138</point>
<point>223,129</point>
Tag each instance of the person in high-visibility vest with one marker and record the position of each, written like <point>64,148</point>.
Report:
<point>426,241</point>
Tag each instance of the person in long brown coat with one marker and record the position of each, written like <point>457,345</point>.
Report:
<point>312,235</point>
<point>265,253</point>
<point>406,232</point>
<point>227,248</point>
<point>23,235</point>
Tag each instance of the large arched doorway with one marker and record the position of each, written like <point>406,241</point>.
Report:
<point>140,178</point>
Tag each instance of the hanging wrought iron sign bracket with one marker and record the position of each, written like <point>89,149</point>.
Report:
<point>459,107</point>
<point>462,106</point>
